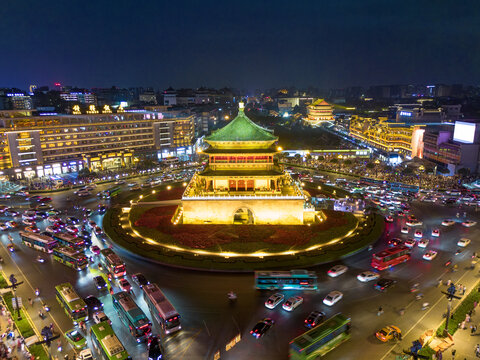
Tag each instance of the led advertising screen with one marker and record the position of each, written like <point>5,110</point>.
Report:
<point>464,132</point>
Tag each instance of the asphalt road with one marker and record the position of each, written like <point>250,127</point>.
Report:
<point>210,321</point>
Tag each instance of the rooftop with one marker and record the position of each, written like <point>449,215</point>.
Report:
<point>241,129</point>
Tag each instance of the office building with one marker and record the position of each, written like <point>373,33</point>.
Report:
<point>35,146</point>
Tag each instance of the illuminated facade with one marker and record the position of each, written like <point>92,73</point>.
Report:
<point>318,112</point>
<point>242,183</point>
<point>35,146</point>
<point>405,139</point>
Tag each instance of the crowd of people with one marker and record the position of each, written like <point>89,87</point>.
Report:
<point>12,345</point>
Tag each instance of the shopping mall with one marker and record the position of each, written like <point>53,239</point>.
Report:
<point>50,144</point>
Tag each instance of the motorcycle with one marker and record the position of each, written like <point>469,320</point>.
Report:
<point>232,296</point>
<point>46,308</point>
<point>41,315</point>
<point>40,259</point>
<point>37,292</point>
<point>458,251</point>
<point>414,288</point>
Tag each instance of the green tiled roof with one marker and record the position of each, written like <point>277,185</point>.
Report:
<point>241,129</point>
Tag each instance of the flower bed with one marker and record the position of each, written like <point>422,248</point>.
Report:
<point>155,223</point>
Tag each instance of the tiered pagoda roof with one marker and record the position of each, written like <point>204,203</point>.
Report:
<point>239,133</point>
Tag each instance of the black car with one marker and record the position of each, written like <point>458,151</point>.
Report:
<point>100,282</point>
<point>102,209</point>
<point>42,214</point>
<point>93,303</point>
<point>85,236</point>
<point>154,348</point>
<point>262,327</point>
<point>383,284</point>
<point>140,279</point>
<point>395,242</point>
<point>315,318</point>
<point>72,220</point>
<point>35,198</point>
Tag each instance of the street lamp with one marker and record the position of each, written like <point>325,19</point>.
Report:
<point>14,286</point>
<point>450,294</point>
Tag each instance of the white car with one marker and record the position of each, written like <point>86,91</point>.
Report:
<point>423,243</point>
<point>463,242</point>
<point>410,243</point>
<point>418,233</point>
<point>100,316</point>
<point>367,276</point>
<point>85,355</point>
<point>292,303</point>
<point>469,223</point>
<point>448,222</point>
<point>430,255</point>
<point>404,230</point>
<point>337,270</point>
<point>274,300</point>
<point>436,232</point>
<point>414,223</point>
<point>332,298</point>
<point>83,193</point>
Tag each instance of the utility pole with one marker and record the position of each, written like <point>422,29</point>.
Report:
<point>450,294</point>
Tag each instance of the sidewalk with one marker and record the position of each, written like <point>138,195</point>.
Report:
<point>9,345</point>
<point>464,340</point>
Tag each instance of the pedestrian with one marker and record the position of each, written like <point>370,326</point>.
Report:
<point>467,318</point>
<point>402,311</point>
<point>440,282</point>
<point>464,289</point>
<point>449,282</point>
<point>475,304</point>
<point>477,350</point>
<point>380,311</point>
<point>30,301</point>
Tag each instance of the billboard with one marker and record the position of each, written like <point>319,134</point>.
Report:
<point>464,132</point>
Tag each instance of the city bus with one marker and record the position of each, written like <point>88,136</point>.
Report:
<point>321,339</point>
<point>73,304</point>
<point>390,257</point>
<point>286,280</point>
<point>109,193</point>
<point>112,263</point>
<point>70,240</point>
<point>132,316</point>
<point>38,242</point>
<point>70,257</point>
<point>161,309</point>
<point>106,343</point>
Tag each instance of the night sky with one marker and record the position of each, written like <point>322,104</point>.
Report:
<point>242,44</point>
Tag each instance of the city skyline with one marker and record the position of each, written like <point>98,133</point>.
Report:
<point>254,45</point>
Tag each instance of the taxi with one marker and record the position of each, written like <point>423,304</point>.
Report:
<point>388,332</point>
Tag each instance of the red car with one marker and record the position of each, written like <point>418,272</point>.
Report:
<point>95,249</point>
<point>32,229</point>
<point>124,285</point>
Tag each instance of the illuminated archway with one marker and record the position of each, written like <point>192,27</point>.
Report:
<point>243,216</point>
